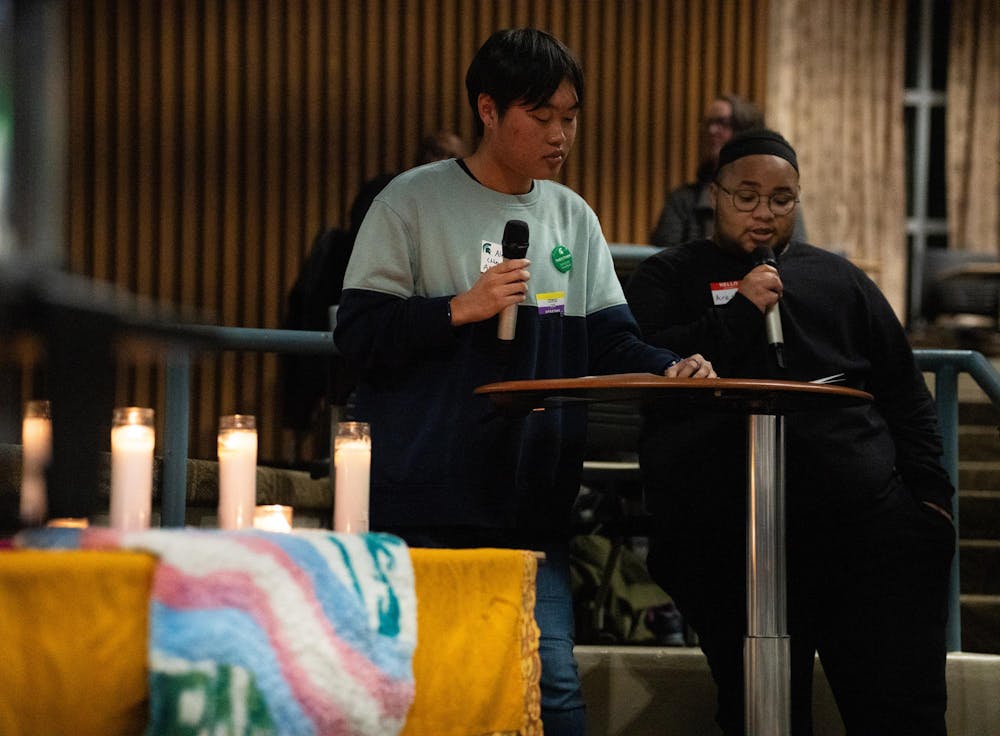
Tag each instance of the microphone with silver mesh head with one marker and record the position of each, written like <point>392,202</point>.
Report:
<point>772,315</point>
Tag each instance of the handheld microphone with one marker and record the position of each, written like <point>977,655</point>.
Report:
<point>772,315</point>
<point>515,245</point>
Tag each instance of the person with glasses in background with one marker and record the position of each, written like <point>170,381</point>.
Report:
<point>687,213</point>
<point>869,536</point>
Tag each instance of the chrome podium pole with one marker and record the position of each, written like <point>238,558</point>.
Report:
<point>767,656</point>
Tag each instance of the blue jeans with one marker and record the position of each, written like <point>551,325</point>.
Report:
<point>562,699</point>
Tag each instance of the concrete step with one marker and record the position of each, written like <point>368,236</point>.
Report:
<point>980,566</point>
<point>978,442</point>
<point>979,514</point>
<point>978,412</point>
<point>979,475</point>
<point>668,691</point>
<point>981,623</point>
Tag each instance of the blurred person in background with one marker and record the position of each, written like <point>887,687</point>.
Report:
<point>687,214</point>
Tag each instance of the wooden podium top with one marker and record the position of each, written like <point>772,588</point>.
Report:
<point>743,395</point>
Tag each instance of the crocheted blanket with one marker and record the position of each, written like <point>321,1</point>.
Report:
<point>255,632</point>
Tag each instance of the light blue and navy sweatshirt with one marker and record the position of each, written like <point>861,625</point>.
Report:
<point>441,456</point>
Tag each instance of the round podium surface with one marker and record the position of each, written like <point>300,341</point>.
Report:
<point>742,395</point>
<point>764,402</point>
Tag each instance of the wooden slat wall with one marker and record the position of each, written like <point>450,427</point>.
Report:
<point>212,139</point>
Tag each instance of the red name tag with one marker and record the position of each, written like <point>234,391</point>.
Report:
<point>723,291</point>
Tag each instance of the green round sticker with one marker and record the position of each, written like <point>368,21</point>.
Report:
<point>562,259</point>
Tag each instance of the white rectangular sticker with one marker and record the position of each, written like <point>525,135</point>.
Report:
<point>723,291</point>
<point>492,255</point>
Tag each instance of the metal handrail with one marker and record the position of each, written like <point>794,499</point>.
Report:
<point>178,394</point>
<point>945,364</point>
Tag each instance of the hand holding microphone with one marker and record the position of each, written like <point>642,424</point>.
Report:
<point>772,314</point>
<point>494,289</point>
<point>515,245</point>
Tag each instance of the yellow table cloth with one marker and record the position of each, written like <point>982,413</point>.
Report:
<point>75,643</point>
<point>476,664</point>
<point>74,653</point>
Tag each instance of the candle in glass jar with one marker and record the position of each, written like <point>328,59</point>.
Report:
<point>273,518</point>
<point>237,447</point>
<point>69,522</point>
<point>36,451</point>
<point>352,456</point>
<point>132,442</point>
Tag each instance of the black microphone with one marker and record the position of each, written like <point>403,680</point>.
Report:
<point>515,245</point>
<point>763,255</point>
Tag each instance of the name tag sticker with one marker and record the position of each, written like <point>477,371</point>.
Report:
<point>491,255</point>
<point>723,291</point>
<point>552,302</point>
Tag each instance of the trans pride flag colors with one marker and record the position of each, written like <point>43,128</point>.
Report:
<point>256,632</point>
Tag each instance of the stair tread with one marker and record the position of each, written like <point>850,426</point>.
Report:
<point>980,543</point>
<point>980,599</point>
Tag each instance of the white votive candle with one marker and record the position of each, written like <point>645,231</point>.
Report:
<point>132,443</point>
<point>352,460</point>
<point>36,451</point>
<point>237,471</point>
<point>273,518</point>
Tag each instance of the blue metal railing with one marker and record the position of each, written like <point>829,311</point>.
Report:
<point>945,364</point>
<point>178,395</point>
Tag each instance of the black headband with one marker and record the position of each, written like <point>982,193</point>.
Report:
<point>756,142</point>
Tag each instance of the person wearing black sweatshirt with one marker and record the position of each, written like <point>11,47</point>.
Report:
<point>869,533</point>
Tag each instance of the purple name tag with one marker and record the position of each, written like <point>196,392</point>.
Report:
<point>552,302</point>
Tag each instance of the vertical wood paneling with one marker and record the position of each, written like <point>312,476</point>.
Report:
<point>147,201</point>
<point>643,134</point>
<point>212,139</point>
<point>262,264</point>
<point>169,239</point>
<point>312,146</point>
<point>80,191</point>
<point>240,73</point>
<point>204,391</point>
<point>104,154</point>
<point>186,151</point>
<point>123,94</point>
<point>447,113</point>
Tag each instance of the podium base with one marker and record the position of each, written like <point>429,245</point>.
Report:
<point>767,664</point>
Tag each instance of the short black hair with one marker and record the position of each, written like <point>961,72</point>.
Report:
<point>522,66</point>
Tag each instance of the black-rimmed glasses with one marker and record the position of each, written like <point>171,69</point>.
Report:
<point>746,200</point>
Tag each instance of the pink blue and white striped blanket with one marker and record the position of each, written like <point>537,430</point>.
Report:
<point>261,633</point>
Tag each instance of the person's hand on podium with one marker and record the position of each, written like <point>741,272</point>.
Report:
<point>694,366</point>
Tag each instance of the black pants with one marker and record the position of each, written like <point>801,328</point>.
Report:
<point>870,595</point>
